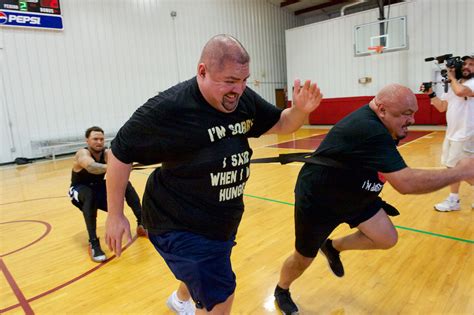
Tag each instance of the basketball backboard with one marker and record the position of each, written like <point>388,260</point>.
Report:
<point>391,34</point>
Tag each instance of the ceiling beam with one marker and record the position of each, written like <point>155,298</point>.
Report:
<point>288,2</point>
<point>319,6</point>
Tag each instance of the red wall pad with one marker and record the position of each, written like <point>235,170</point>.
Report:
<point>332,110</point>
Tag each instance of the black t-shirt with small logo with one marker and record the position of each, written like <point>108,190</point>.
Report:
<point>205,158</point>
<point>361,142</point>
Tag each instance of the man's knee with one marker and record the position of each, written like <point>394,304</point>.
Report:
<point>301,262</point>
<point>88,204</point>
<point>86,195</point>
<point>388,240</point>
<point>380,230</point>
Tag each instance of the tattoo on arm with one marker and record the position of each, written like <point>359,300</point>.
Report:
<point>96,168</point>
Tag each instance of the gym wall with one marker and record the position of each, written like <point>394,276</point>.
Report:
<point>324,51</point>
<point>115,54</point>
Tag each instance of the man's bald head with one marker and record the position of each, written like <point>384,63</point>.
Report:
<point>395,105</point>
<point>395,96</point>
<point>222,72</point>
<point>221,49</point>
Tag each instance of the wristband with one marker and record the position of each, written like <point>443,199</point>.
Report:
<point>433,94</point>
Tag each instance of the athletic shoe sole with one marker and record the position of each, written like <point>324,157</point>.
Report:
<point>447,210</point>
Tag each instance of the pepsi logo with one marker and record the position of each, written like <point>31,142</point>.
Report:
<point>3,18</point>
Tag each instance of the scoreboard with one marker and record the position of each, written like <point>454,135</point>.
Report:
<point>34,6</point>
<point>44,14</point>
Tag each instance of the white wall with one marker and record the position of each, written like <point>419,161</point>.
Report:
<point>324,51</point>
<point>115,54</point>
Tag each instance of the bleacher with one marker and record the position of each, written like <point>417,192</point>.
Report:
<point>52,147</point>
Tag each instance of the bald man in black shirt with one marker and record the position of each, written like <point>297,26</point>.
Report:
<point>364,143</point>
<point>193,204</point>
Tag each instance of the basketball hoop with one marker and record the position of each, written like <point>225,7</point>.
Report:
<point>376,49</point>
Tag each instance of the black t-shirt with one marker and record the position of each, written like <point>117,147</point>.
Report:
<point>205,155</point>
<point>83,177</point>
<point>362,143</point>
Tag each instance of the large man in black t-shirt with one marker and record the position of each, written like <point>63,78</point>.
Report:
<point>193,204</point>
<point>360,155</point>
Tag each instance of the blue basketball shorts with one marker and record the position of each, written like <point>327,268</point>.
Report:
<point>202,264</point>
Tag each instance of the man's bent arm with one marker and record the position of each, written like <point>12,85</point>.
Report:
<point>291,119</point>
<point>96,168</point>
<point>85,160</point>
<point>306,98</point>
<point>439,104</point>
<point>459,89</point>
<point>117,224</point>
<point>416,181</point>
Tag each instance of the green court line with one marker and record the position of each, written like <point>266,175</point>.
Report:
<point>271,200</point>
<point>397,226</point>
<point>435,234</point>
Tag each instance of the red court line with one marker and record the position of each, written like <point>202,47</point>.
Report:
<point>19,295</point>
<point>55,288</point>
<point>48,229</point>
<point>34,199</point>
<point>313,142</point>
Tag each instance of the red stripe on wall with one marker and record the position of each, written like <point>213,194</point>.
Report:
<point>331,110</point>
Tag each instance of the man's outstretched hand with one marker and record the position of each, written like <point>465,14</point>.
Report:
<point>116,226</point>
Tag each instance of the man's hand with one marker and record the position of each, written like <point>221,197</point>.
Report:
<point>115,227</point>
<point>306,98</point>
<point>458,86</point>
<point>451,74</point>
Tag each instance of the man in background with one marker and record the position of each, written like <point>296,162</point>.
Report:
<point>88,190</point>
<point>458,103</point>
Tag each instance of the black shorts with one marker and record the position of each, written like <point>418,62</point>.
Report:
<point>97,191</point>
<point>314,225</point>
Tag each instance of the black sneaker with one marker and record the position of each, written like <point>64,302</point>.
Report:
<point>95,252</point>
<point>332,255</point>
<point>284,301</point>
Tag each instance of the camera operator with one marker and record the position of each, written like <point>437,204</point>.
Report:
<point>458,103</point>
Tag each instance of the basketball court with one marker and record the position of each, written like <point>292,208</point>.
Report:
<point>46,270</point>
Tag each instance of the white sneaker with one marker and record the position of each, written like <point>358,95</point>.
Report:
<point>180,307</point>
<point>448,205</point>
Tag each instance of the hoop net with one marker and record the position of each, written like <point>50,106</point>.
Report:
<point>376,49</point>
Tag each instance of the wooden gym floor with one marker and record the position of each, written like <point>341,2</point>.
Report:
<point>46,269</point>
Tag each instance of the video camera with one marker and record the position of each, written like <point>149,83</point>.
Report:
<point>450,62</point>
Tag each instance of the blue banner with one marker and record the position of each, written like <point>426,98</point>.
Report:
<point>35,20</point>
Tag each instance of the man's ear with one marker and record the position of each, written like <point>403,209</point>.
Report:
<point>201,70</point>
<point>382,110</point>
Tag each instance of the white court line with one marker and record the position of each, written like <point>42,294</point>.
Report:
<point>419,138</point>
